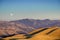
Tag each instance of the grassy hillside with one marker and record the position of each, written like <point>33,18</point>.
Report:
<point>52,33</point>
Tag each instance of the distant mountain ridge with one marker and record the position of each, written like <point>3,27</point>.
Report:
<point>25,25</point>
<point>39,23</point>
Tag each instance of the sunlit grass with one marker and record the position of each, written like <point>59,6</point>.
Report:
<point>40,35</point>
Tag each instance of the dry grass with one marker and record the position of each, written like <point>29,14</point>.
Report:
<point>55,35</point>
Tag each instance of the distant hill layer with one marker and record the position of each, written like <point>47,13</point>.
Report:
<point>39,23</point>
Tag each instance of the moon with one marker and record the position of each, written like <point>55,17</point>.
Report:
<point>11,14</point>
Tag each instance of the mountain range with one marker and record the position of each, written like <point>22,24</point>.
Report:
<point>24,26</point>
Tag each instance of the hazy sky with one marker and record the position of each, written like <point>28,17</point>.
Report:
<point>32,9</point>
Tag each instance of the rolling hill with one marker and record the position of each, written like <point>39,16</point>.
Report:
<point>52,33</point>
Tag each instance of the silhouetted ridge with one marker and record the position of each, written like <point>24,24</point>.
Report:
<point>4,36</point>
<point>39,31</point>
<point>51,31</point>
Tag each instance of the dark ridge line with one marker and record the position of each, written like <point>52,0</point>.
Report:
<point>39,31</point>
<point>30,35</point>
<point>5,36</point>
<point>51,31</point>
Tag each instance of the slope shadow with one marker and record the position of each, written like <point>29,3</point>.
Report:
<point>30,35</point>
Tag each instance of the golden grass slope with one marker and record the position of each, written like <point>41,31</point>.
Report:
<point>53,35</point>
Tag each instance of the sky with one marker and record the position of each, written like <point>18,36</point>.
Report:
<point>31,9</point>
